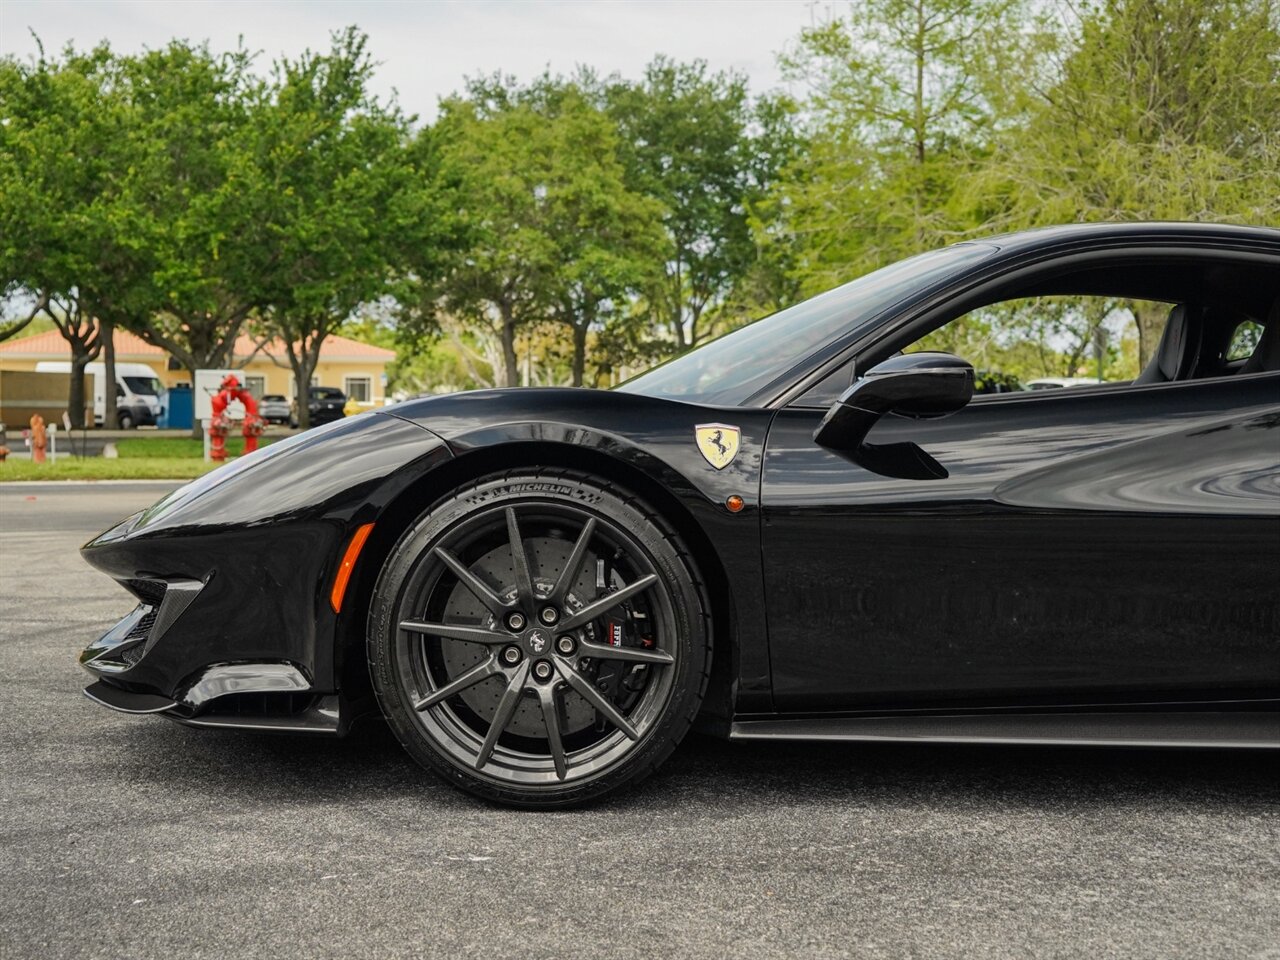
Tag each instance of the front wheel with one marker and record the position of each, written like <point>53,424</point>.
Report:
<point>540,639</point>
<point>125,420</point>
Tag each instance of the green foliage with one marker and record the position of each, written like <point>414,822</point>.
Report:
<point>61,193</point>
<point>907,97</point>
<point>552,231</point>
<point>570,229</point>
<point>937,120</point>
<point>692,140</point>
<point>1162,110</point>
<point>192,217</point>
<point>338,198</point>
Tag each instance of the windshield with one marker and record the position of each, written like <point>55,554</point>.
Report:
<point>731,369</point>
<point>144,386</point>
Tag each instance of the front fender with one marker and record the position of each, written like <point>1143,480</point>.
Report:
<point>655,440</point>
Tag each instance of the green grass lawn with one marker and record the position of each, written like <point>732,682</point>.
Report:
<point>140,458</point>
<point>98,468</point>
<point>176,448</point>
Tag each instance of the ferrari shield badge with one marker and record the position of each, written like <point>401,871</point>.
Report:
<point>718,442</point>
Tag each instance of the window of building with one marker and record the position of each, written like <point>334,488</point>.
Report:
<point>359,389</point>
<point>256,386</point>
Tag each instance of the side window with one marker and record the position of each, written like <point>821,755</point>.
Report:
<point>1051,342</point>
<point>1243,341</point>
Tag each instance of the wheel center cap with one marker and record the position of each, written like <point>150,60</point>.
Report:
<point>538,641</point>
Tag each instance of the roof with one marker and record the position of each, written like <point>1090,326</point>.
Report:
<point>1156,231</point>
<point>51,345</point>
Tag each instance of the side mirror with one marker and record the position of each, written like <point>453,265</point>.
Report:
<point>922,386</point>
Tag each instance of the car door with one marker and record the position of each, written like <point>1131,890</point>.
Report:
<point>1090,545</point>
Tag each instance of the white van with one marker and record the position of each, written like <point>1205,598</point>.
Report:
<point>138,391</point>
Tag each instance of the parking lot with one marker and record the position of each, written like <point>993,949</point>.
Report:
<point>128,836</point>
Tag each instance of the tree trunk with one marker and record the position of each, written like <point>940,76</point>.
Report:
<point>304,359</point>
<point>83,335</point>
<point>1150,319</point>
<point>579,352</point>
<point>921,52</point>
<point>677,312</point>
<point>301,390</point>
<point>509,358</point>
<point>107,335</point>
<point>75,399</point>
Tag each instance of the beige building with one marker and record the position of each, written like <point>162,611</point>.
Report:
<point>357,369</point>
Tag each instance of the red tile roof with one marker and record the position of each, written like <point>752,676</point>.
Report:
<point>51,344</point>
<point>334,348</point>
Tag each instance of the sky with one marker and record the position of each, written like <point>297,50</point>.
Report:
<point>426,48</point>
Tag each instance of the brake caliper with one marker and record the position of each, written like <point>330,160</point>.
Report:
<point>619,680</point>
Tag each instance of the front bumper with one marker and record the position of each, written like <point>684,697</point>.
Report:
<point>233,625</point>
<point>256,706</point>
<point>273,696</point>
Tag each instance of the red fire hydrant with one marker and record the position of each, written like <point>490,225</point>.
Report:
<point>252,427</point>
<point>39,438</point>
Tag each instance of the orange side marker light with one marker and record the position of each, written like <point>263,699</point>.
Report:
<point>348,564</point>
<point>734,504</point>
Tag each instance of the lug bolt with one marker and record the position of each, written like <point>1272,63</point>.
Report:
<point>511,656</point>
<point>549,615</point>
<point>566,645</point>
<point>515,620</point>
<point>542,670</point>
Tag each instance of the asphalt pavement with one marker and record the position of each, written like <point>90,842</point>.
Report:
<point>134,837</point>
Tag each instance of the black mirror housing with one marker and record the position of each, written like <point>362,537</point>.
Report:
<point>921,386</point>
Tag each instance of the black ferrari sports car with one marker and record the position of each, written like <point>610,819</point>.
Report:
<point>810,528</point>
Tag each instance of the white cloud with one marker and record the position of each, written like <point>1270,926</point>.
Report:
<point>427,48</point>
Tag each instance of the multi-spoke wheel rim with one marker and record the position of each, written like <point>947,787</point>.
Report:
<point>519,609</point>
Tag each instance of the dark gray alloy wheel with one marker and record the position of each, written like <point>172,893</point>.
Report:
<point>539,638</point>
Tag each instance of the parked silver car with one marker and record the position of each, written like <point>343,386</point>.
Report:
<point>274,408</point>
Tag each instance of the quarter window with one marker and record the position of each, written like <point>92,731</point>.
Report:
<point>1244,341</point>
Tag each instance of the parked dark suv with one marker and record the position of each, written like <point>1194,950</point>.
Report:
<point>325,404</point>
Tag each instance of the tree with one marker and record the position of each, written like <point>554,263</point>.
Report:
<point>330,163</point>
<point>905,97</point>
<point>551,229</point>
<point>607,238</point>
<point>493,155</point>
<point>687,141</point>
<point>195,211</point>
<point>1160,110</point>
<point>57,122</point>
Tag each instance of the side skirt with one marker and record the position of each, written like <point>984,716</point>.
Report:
<point>1244,728</point>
